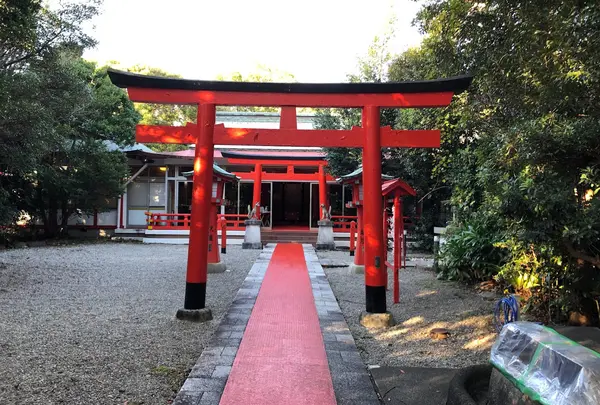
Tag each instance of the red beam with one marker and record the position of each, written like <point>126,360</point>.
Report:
<point>289,137</point>
<point>276,162</point>
<point>283,176</point>
<point>408,100</point>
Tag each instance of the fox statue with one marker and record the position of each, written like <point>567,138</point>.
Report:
<point>252,213</point>
<point>325,214</point>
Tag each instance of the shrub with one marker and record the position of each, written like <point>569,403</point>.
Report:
<point>471,252</point>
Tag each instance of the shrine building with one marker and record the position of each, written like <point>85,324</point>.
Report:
<point>293,183</point>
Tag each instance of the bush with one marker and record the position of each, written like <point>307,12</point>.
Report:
<point>471,252</point>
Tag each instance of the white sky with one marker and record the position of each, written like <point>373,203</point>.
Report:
<point>316,40</point>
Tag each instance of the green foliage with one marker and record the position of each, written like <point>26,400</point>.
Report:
<point>471,251</point>
<point>525,268</point>
<point>521,147</point>
<point>29,29</point>
<point>262,74</point>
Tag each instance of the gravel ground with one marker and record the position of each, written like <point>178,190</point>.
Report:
<point>95,324</point>
<point>425,303</point>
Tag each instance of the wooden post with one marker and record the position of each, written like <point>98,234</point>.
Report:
<point>287,118</point>
<point>397,246</point>
<point>257,189</point>
<point>322,190</point>
<point>223,227</point>
<point>195,289</point>
<point>213,239</point>
<point>121,210</point>
<point>375,272</point>
<point>352,236</point>
<point>359,258</point>
<point>384,237</point>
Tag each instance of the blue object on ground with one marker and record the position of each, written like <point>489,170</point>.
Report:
<point>509,308</point>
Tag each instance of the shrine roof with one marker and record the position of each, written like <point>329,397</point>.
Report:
<point>397,184</point>
<point>456,85</point>
<point>241,154</point>
<point>357,174</point>
<point>218,171</point>
<point>275,155</point>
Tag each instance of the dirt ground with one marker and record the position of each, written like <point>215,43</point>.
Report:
<point>425,303</point>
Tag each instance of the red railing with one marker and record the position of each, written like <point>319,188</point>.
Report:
<point>341,223</point>
<point>235,221</point>
<point>182,221</point>
<point>167,221</point>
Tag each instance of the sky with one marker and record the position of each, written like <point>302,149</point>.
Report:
<point>315,40</point>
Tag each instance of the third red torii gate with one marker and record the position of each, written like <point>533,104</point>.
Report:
<point>370,97</point>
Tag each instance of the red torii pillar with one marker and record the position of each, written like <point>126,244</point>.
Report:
<point>196,275</point>
<point>375,271</point>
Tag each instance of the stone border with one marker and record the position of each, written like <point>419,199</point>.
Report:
<point>206,382</point>
<point>351,380</point>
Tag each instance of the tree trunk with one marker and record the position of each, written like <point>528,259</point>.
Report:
<point>51,227</point>
<point>64,225</point>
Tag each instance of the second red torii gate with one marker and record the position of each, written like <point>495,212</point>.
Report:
<point>288,122</point>
<point>370,97</point>
<point>258,175</point>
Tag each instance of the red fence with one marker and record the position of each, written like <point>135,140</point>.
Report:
<point>167,221</point>
<point>341,223</point>
<point>182,221</point>
<point>235,221</point>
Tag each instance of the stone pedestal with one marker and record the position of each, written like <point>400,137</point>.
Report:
<point>216,267</point>
<point>325,236</point>
<point>356,268</point>
<point>252,234</point>
<point>376,321</point>
<point>194,315</point>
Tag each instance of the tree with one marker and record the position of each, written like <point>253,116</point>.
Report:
<point>527,172</point>
<point>29,29</point>
<point>262,74</point>
<point>82,112</point>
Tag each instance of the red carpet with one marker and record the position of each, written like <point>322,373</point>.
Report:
<point>282,358</point>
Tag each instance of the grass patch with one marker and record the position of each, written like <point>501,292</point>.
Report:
<point>174,376</point>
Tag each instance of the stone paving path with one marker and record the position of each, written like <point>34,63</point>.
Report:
<point>268,353</point>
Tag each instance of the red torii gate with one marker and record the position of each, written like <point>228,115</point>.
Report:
<point>371,97</point>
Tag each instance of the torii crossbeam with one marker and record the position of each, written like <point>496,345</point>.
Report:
<point>352,138</point>
<point>370,97</point>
